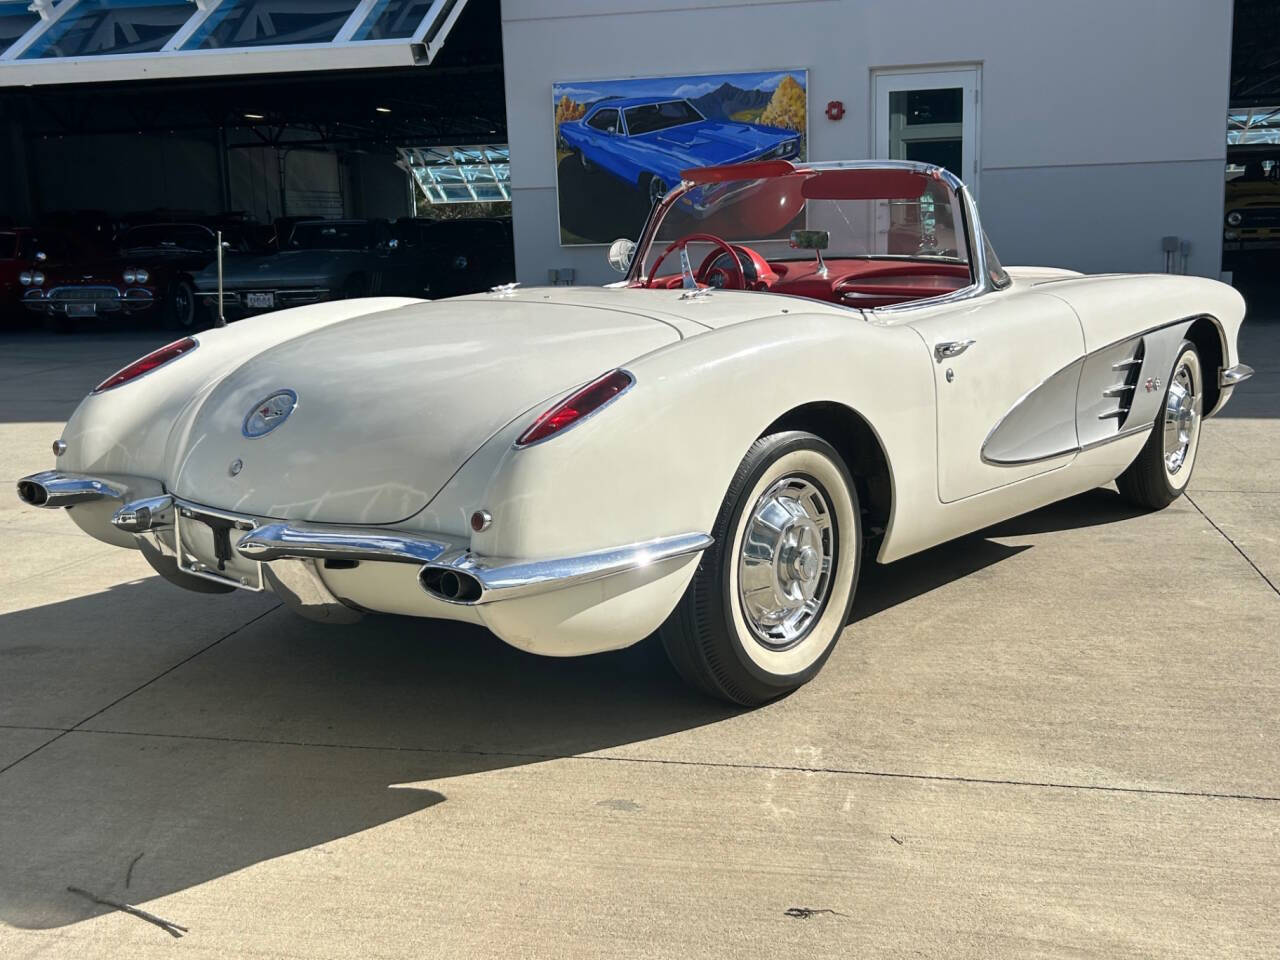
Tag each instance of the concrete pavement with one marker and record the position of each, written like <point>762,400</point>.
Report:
<point>1056,738</point>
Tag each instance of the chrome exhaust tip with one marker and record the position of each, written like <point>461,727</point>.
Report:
<point>54,489</point>
<point>449,585</point>
<point>33,493</point>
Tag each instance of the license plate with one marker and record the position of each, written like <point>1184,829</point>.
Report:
<point>205,545</point>
<point>260,301</point>
<point>82,309</point>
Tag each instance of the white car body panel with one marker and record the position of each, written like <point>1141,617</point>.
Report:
<point>408,411</point>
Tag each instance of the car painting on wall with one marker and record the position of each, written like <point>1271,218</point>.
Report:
<point>621,144</point>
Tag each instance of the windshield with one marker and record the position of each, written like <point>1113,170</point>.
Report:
<point>330,235</point>
<point>864,213</point>
<point>169,236</point>
<point>659,116</point>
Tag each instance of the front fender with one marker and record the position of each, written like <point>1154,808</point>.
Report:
<point>658,460</point>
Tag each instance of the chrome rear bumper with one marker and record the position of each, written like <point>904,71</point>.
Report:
<point>450,572</point>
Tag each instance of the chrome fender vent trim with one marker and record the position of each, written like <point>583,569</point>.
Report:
<point>1122,392</point>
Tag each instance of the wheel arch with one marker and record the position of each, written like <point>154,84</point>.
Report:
<point>1210,342</point>
<point>862,450</point>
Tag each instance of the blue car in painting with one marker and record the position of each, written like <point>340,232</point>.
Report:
<point>647,141</point>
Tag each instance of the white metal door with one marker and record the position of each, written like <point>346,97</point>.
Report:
<point>930,116</point>
<point>988,356</point>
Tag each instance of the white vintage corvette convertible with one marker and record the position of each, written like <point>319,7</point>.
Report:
<point>708,452</point>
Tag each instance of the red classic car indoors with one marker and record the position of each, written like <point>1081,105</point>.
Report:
<point>148,274</point>
<point>18,267</point>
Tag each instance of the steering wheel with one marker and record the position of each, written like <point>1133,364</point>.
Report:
<point>733,278</point>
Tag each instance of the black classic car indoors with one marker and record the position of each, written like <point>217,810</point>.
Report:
<point>467,255</point>
<point>321,260</point>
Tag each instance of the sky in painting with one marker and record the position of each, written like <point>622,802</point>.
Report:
<point>585,91</point>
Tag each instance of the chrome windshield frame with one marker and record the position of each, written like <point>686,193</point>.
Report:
<point>979,275</point>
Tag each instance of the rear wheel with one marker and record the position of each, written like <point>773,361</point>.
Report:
<point>1163,468</point>
<point>773,592</point>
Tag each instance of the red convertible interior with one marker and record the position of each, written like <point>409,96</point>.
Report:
<point>852,282</point>
<point>897,234</point>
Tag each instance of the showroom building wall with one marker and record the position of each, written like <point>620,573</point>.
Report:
<point>1101,125</point>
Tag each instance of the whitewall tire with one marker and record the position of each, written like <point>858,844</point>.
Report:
<point>1163,469</point>
<point>773,593</point>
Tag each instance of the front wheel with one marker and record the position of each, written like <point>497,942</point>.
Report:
<point>773,592</point>
<point>1163,468</point>
<point>180,312</point>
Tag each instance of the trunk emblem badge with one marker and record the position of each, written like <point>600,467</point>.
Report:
<point>268,414</point>
<point>235,468</point>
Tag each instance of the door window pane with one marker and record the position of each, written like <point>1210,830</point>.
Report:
<point>928,126</point>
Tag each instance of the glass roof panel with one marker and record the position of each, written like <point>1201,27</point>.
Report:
<point>392,19</point>
<point>1256,125</point>
<point>261,23</point>
<point>460,174</point>
<point>15,20</point>
<point>96,27</point>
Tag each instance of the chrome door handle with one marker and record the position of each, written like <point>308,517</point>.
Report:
<point>951,348</point>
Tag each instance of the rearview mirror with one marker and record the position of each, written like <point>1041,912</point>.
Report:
<point>620,253</point>
<point>810,239</point>
<point>815,240</point>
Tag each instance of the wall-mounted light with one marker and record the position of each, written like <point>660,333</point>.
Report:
<point>254,116</point>
<point>383,109</point>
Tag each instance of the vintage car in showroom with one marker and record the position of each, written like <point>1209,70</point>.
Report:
<point>708,449</point>
<point>1251,214</point>
<point>646,141</point>
<point>150,274</point>
<point>320,260</point>
<point>20,263</point>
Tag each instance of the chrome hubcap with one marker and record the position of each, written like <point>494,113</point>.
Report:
<point>785,563</point>
<point>1181,418</point>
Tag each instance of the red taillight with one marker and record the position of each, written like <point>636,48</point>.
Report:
<point>577,406</point>
<point>156,358</point>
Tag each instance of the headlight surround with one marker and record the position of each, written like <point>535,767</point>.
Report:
<point>129,275</point>
<point>25,278</point>
<point>141,275</point>
<point>37,278</point>
<point>1235,218</point>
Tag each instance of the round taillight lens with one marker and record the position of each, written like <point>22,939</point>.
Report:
<point>156,358</point>
<point>577,406</point>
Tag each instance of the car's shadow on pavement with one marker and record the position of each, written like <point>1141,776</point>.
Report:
<point>285,735</point>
